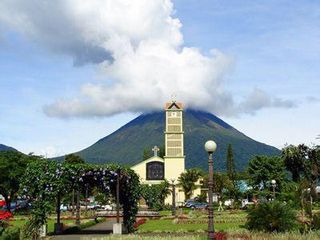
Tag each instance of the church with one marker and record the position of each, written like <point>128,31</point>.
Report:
<point>156,169</point>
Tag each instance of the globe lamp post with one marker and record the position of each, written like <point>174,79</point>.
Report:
<point>210,146</point>
<point>273,184</point>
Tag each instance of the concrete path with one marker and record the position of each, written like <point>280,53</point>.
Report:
<point>96,232</point>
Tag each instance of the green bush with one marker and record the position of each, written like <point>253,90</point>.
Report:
<point>3,226</point>
<point>271,217</point>
<point>316,221</point>
<point>155,195</point>
<point>10,234</point>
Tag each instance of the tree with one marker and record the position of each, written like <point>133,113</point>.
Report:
<point>44,180</point>
<point>162,152</point>
<point>155,194</point>
<point>221,183</point>
<point>187,181</point>
<point>294,159</point>
<point>12,167</point>
<point>311,169</point>
<point>231,171</point>
<point>263,169</point>
<point>303,161</point>
<point>73,159</point>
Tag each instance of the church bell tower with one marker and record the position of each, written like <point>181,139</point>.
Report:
<point>174,143</point>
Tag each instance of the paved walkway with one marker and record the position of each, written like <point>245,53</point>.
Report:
<point>96,232</point>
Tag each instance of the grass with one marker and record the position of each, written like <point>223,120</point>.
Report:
<point>19,222</point>
<point>22,221</point>
<point>230,222</point>
<point>167,225</point>
<point>135,237</point>
<point>196,222</point>
<point>243,235</point>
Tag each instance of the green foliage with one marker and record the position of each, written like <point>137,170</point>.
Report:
<point>3,226</point>
<point>11,234</point>
<point>44,180</point>
<point>234,191</point>
<point>294,158</point>
<point>316,221</point>
<point>12,167</point>
<point>271,217</point>
<point>289,194</point>
<point>101,198</point>
<point>73,159</point>
<point>303,162</point>
<point>188,179</point>
<point>155,194</point>
<point>202,197</point>
<point>231,171</point>
<point>221,184</point>
<point>263,169</point>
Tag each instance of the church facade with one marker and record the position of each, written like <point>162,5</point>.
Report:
<point>156,169</point>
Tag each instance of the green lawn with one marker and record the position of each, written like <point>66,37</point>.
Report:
<point>167,225</point>
<point>196,222</point>
<point>233,236</point>
<point>20,222</point>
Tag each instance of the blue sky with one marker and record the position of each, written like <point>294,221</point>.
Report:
<point>55,93</point>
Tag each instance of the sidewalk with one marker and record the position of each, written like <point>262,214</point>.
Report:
<point>96,232</point>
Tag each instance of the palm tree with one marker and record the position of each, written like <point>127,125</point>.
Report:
<point>187,181</point>
<point>294,158</point>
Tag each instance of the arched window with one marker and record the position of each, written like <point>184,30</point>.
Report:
<point>155,170</point>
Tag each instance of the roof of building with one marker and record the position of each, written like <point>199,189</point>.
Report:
<point>172,104</point>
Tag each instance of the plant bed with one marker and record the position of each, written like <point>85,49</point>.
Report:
<point>167,226</point>
<point>139,222</point>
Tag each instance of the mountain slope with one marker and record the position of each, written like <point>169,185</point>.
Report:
<point>6,148</point>
<point>126,145</point>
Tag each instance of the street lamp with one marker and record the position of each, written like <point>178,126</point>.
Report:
<point>274,184</point>
<point>210,146</point>
<point>117,227</point>
<point>118,196</point>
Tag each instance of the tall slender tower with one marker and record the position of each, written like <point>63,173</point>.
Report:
<point>174,153</point>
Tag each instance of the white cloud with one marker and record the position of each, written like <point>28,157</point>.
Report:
<point>259,99</point>
<point>139,48</point>
<point>49,152</point>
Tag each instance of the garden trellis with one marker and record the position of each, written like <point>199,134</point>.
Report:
<point>45,181</point>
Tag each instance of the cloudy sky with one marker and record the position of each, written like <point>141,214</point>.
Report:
<point>74,71</point>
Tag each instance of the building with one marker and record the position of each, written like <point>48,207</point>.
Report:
<point>156,169</point>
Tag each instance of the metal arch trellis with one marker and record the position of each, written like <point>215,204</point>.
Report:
<point>47,180</point>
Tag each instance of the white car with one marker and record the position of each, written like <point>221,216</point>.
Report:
<point>228,202</point>
<point>106,207</point>
<point>63,208</point>
<point>245,203</point>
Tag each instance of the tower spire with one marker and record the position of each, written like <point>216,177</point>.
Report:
<point>173,97</point>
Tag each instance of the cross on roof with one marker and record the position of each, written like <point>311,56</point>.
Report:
<point>155,150</point>
<point>173,97</point>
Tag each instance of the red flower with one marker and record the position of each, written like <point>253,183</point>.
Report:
<point>139,222</point>
<point>4,215</point>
